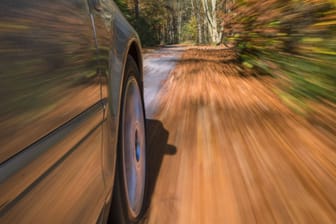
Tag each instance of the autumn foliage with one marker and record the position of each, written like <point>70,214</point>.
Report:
<point>292,40</point>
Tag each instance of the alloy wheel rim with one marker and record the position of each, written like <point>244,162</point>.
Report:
<point>133,148</point>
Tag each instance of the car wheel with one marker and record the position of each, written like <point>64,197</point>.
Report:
<point>130,181</point>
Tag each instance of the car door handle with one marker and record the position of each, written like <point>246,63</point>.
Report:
<point>95,5</point>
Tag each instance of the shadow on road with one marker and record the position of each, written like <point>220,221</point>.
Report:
<point>158,147</point>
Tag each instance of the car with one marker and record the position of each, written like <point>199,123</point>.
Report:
<point>72,117</point>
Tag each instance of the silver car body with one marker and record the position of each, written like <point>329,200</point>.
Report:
<point>61,75</point>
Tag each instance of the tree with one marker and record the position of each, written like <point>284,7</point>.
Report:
<point>197,14</point>
<point>210,12</point>
<point>136,8</point>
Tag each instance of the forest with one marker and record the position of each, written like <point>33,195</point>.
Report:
<point>291,40</point>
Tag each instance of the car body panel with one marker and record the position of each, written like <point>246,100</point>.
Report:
<point>47,69</point>
<point>61,83</point>
<point>64,184</point>
<point>21,172</point>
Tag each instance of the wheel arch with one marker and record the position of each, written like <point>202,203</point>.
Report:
<point>134,50</point>
<point>115,81</point>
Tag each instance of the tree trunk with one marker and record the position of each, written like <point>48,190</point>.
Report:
<point>136,9</point>
<point>211,16</point>
<point>197,14</point>
<point>179,21</point>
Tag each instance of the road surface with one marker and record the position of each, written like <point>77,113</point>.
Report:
<point>224,149</point>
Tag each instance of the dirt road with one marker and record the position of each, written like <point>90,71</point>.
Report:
<point>224,149</point>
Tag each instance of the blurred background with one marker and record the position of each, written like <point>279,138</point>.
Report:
<point>291,40</point>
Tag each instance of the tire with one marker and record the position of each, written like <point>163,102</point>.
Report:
<point>130,180</point>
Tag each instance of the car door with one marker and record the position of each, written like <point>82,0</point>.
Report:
<point>102,14</point>
<point>51,113</point>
